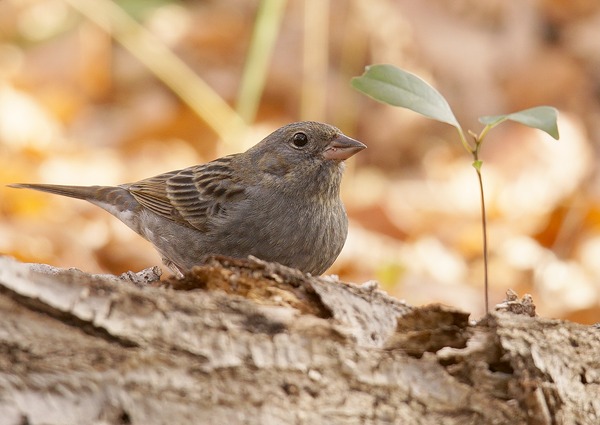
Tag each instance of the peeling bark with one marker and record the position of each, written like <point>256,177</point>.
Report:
<point>249,342</point>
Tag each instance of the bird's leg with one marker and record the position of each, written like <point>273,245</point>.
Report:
<point>173,267</point>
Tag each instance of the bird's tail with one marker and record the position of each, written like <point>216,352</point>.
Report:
<point>79,192</point>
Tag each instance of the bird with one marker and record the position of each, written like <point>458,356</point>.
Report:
<point>278,201</point>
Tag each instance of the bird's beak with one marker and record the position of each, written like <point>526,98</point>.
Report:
<point>342,147</point>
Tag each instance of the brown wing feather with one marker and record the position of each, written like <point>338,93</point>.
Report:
<point>151,194</point>
<point>192,196</point>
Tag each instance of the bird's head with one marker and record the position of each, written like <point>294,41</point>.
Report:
<point>306,141</point>
<point>303,154</point>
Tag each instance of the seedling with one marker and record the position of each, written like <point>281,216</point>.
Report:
<point>394,86</point>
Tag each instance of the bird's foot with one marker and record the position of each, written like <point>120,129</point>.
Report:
<point>178,272</point>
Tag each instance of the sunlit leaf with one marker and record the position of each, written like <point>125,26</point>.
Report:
<point>477,164</point>
<point>541,117</point>
<point>391,85</point>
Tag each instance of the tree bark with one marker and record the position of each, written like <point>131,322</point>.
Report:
<point>249,342</point>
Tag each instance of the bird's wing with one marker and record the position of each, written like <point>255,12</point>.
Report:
<point>192,196</point>
<point>151,193</point>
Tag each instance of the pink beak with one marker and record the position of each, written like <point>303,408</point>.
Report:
<point>342,148</point>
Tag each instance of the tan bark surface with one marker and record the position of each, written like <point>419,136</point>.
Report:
<point>247,342</point>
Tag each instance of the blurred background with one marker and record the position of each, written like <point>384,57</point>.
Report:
<point>102,92</point>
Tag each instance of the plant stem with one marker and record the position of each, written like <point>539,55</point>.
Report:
<point>477,165</point>
<point>315,59</point>
<point>478,139</point>
<point>464,142</point>
<point>264,36</point>
<point>485,242</point>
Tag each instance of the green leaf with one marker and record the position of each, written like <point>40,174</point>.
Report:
<point>394,86</point>
<point>477,164</point>
<point>541,117</point>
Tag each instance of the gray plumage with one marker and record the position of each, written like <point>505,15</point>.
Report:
<point>278,201</point>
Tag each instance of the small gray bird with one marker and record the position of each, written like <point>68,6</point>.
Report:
<point>278,201</point>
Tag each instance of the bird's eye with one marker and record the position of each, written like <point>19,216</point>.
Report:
<point>300,140</point>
